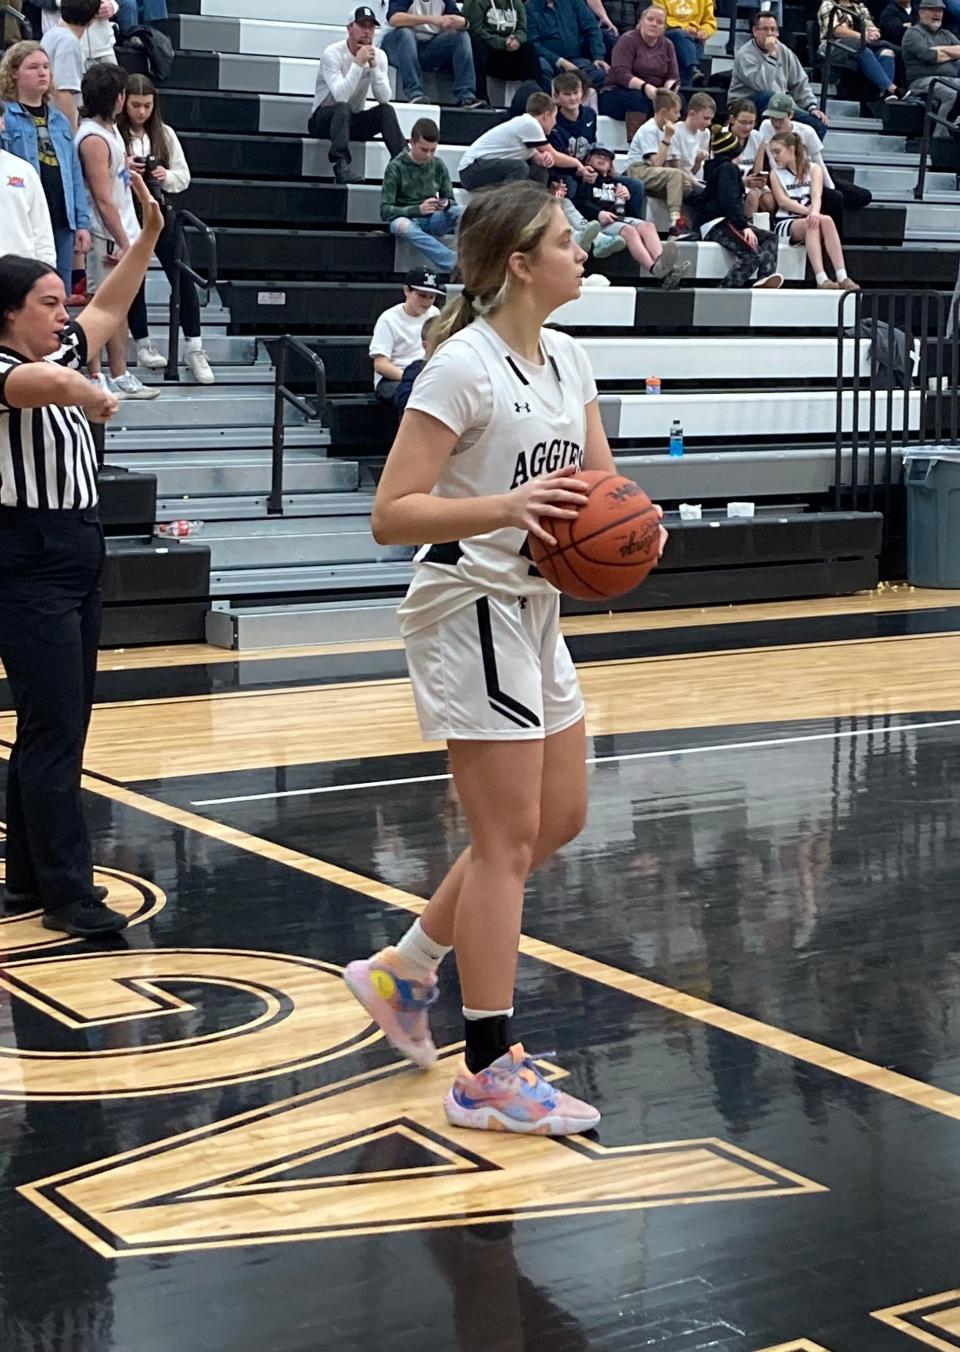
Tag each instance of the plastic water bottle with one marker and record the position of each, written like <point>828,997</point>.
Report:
<point>178,529</point>
<point>676,438</point>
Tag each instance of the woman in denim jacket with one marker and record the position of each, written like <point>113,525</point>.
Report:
<point>40,134</point>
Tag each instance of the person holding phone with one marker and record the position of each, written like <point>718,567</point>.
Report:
<point>416,199</point>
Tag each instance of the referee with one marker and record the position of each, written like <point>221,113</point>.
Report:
<point>51,558</point>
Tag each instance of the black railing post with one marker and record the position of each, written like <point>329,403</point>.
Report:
<point>282,395</point>
<point>177,222</point>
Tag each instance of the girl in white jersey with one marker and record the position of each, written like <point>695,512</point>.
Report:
<point>797,187</point>
<point>500,420</point>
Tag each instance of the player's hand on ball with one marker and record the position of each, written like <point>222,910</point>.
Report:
<point>557,493</point>
<point>664,534</point>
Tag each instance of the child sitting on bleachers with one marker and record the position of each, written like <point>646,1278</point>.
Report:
<point>416,199</point>
<point>398,334</point>
<point>720,217</point>
<point>605,200</point>
<point>574,132</point>
<point>690,146</point>
<point>649,152</point>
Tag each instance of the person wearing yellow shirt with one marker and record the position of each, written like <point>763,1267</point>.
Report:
<point>689,24</point>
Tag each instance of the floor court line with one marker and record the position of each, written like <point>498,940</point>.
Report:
<point>591,760</point>
<point>829,1059</point>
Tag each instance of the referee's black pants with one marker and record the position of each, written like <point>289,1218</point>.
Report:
<point>50,610</point>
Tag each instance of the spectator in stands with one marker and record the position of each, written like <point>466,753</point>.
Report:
<point>567,36</point>
<point>350,73</point>
<point>742,121</point>
<point>519,148</point>
<point>574,133</point>
<point>895,19</point>
<point>98,41</point>
<point>841,23</point>
<point>690,145</point>
<point>625,14</point>
<point>797,187</point>
<point>587,234</point>
<point>398,333</point>
<point>431,35</point>
<point>836,195</point>
<point>649,152</point>
<point>405,388</point>
<point>25,227</point>
<point>643,61</point>
<point>38,132</point>
<point>498,38</point>
<point>114,225</point>
<point>605,201</point>
<point>416,199</point>
<point>63,45</point>
<point>689,24</point>
<point>764,67</point>
<point>720,217</point>
<point>155,153</point>
<point>931,52</point>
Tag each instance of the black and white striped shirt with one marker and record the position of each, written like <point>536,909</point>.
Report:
<point>47,455</point>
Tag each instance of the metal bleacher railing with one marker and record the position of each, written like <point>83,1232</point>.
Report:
<point>283,395</point>
<point>910,397</point>
<point>177,222</point>
<point>931,144</point>
<point>830,46</point>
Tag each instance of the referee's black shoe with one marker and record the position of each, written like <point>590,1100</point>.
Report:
<point>30,901</point>
<point>85,920</point>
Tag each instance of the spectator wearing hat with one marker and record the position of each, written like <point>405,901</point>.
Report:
<point>779,118</point>
<point>498,37</point>
<point>398,333</point>
<point>720,217</point>
<point>567,36</point>
<point>932,52</point>
<point>643,61</point>
<point>350,73</point>
<point>763,67</point>
<point>515,149</point>
<point>604,200</point>
<point>416,199</point>
<point>431,35</point>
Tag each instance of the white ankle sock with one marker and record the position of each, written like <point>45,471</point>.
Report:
<point>841,274</point>
<point>821,277</point>
<point>421,956</point>
<point>473,1014</point>
<point>193,345</point>
<point>143,343</point>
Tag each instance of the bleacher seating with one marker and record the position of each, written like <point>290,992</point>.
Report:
<point>751,375</point>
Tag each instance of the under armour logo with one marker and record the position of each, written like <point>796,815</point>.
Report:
<point>522,408</point>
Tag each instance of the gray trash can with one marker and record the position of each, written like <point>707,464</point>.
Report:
<point>932,476</point>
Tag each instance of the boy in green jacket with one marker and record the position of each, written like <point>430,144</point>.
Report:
<point>498,36</point>
<point>416,200</point>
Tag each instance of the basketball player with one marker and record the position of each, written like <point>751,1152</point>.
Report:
<point>500,420</point>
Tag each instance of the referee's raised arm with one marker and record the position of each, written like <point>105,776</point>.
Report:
<point>108,309</point>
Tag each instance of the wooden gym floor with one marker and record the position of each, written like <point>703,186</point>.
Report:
<point>750,960</point>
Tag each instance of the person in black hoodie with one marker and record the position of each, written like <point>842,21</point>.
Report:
<point>498,36</point>
<point>719,216</point>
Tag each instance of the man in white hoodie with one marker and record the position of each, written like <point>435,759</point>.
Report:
<point>25,227</point>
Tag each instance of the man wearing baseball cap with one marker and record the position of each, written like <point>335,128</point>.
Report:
<point>931,52</point>
<point>398,333</point>
<point>351,72</point>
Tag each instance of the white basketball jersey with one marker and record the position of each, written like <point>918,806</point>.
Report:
<point>514,420</point>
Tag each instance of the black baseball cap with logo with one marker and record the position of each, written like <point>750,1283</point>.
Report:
<point>424,279</point>
<point>363,14</point>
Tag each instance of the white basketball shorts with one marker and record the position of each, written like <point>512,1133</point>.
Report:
<point>497,669</point>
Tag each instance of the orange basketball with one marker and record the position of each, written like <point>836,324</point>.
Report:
<point>611,544</point>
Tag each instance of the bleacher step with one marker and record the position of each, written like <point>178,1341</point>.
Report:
<point>357,621</point>
<point>229,511</point>
<point>126,441</point>
<point>185,474</point>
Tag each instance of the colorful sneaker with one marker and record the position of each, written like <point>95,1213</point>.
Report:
<point>512,1095</point>
<point>587,235</point>
<point>605,245</point>
<point>398,1005</point>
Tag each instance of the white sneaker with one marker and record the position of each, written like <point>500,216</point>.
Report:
<point>128,386</point>
<point>199,367</point>
<point>100,382</point>
<point>596,279</point>
<point>150,359</point>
